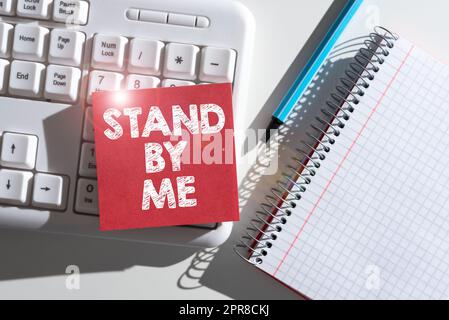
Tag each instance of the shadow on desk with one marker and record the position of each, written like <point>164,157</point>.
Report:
<point>227,272</point>
<point>33,254</point>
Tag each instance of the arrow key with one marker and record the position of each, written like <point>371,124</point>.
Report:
<point>18,151</point>
<point>14,187</point>
<point>50,192</point>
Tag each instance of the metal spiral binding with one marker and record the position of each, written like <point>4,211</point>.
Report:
<point>274,213</point>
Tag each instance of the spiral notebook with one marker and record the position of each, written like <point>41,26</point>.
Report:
<point>365,212</point>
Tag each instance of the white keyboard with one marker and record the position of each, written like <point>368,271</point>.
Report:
<point>55,53</point>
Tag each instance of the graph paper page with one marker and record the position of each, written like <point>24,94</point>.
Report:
<point>374,222</point>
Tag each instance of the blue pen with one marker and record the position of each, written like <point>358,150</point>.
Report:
<point>312,67</point>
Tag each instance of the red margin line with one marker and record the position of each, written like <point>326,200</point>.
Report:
<point>340,165</point>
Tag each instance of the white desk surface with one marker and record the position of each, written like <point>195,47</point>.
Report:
<point>33,265</point>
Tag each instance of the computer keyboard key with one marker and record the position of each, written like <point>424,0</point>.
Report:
<point>202,22</point>
<point>176,83</point>
<point>135,81</point>
<point>145,56</point>
<point>88,163</point>
<point>26,79</point>
<point>109,52</point>
<point>180,61</point>
<point>71,11</point>
<point>87,197</point>
<point>7,7</point>
<point>37,9</point>
<point>4,73</point>
<point>6,36</point>
<point>62,83</point>
<point>30,42</point>
<point>66,47</point>
<point>181,19</point>
<point>49,191</point>
<point>18,151</point>
<point>88,131</point>
<point>103,81</point>
<point>133,14</point>
<point>153,16</point>
<point>14,187</point>
<point>217,65</point>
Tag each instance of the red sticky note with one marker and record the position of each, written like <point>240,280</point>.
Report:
<point>165,157</point>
